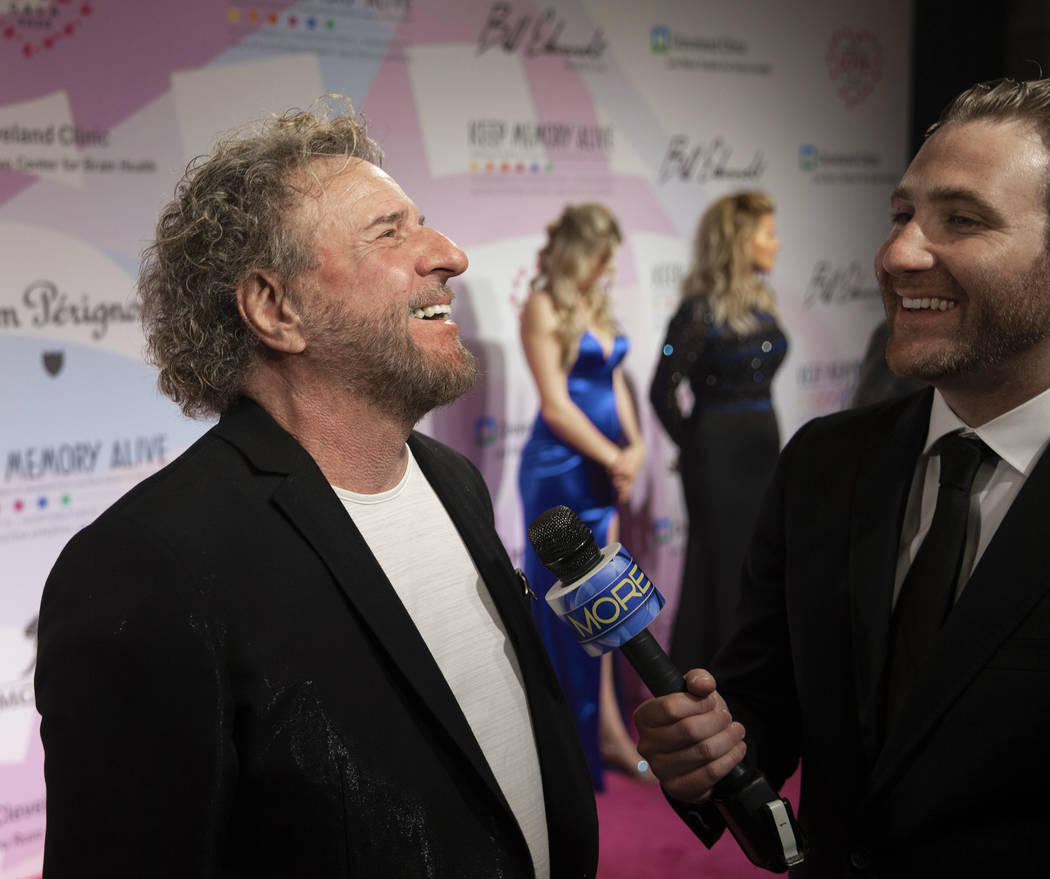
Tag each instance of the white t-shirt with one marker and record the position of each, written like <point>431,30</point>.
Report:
<point>423,556</point>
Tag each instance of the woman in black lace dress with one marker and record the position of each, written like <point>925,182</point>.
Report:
<point>724,339</point>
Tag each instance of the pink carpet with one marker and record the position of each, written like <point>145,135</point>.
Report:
<point>642,838</point>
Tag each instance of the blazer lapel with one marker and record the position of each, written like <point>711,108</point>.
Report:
<point>1004,588</point>
<point>306,498</point>
<point>883,482</point>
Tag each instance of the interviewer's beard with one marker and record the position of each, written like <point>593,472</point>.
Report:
<point>1006,314</point>
<point>379,362</point>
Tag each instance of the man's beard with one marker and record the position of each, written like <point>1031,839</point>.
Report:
<point>379,362</point>
<point>999,325</point>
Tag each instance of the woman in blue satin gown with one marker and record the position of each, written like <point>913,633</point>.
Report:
<point>585,448</point>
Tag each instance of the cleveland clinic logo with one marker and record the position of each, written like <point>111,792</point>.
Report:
<point>844,166</point>
<point>486,430</point>
<point>663,530</point>
<point>660,40</point>
<point>705,52</point>
<point>505,437</point>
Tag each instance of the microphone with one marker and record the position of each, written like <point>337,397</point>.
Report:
<point>608,601</point>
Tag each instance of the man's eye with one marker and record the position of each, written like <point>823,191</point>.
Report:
<point>961,222</point>
<point>900,218</point>
<point>389,233</point>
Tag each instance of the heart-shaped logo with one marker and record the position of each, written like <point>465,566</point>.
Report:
<point>36,26</point>
<point>854,61</point>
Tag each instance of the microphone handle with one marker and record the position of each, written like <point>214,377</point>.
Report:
<point>662,678</point>
<point>654,666</point>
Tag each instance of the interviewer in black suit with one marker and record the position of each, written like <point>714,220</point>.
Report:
<point>300,649</point>
<point>955,781</point>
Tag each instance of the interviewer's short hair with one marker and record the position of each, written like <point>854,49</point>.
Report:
<point>234,212</point>
<point>1001,100</point>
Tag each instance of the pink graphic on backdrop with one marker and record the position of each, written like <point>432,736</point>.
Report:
<point>22,778</point>
<point>91,63</point>
<point>557,92</point>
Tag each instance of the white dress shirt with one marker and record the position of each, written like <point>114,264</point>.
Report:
<point>1018,437</point>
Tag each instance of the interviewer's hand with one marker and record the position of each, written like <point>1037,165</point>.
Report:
<point>690,739</point>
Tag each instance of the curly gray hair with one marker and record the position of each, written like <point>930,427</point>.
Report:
<point>231,215</point>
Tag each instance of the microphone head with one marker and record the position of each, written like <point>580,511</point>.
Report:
<point>564,544</point>
<point>602,594</point>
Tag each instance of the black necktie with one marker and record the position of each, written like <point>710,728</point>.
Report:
<point>928,591</point>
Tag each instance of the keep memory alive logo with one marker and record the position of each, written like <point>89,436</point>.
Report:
<point>85,457</point>
<point>44,305</point>
<point>505,145</point>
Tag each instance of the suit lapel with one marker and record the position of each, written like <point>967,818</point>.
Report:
<point>883,482</point>
<point>307,500</point>
<point>1004,588</point>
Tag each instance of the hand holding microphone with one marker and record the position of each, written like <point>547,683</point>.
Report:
<point>691,742</point>
<point>608,601</point>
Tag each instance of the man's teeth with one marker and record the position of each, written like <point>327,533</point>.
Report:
<point>928,303</point>
<point>431,311</point>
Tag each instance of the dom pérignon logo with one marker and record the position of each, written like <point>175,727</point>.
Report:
<point>53,361</point>
<point>854,60</point>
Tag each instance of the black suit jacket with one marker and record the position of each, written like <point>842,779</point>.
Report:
<point>960,787</point>
<point>230,686</point>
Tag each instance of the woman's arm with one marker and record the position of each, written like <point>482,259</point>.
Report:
<point>543,351</point>
<point>629,462</point>
<point>682,338</point>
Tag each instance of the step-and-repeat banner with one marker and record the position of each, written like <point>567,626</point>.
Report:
<point>493,115</point>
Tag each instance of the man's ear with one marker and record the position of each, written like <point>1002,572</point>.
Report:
<point>270,314</point>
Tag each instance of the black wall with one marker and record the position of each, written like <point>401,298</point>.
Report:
<point>960,42</point>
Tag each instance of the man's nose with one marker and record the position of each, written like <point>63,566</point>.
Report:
<point>439,254</point>
<point>906,250</point>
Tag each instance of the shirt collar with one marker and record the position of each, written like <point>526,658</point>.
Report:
<point>1018,437</point>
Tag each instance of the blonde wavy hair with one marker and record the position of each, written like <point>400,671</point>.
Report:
<point>234,212</point>
<point>582,233</point>
<point>721,271</point>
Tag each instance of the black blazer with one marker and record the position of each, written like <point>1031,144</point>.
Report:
<point>961,786</point>
<point>230,686</point>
